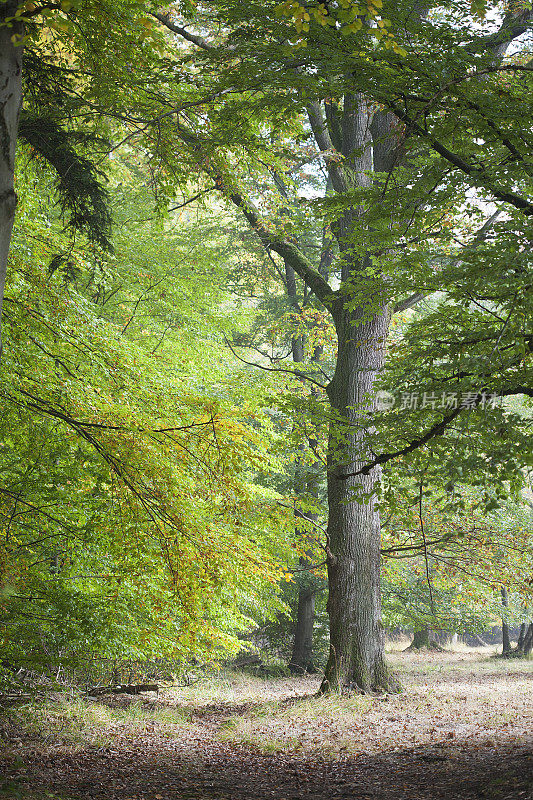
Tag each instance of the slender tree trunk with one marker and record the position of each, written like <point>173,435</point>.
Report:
<point>301,659</point>
<point>302,650</point>
<point>10,102</point>
<point>506,648</point>
<point>521,637</point>
<point>528,640</point>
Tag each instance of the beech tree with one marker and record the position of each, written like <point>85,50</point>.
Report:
<point>130,523</point>
<point>405,109</point>
<point>10,103</point>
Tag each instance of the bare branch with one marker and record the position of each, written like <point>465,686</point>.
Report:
<point>295,372</point>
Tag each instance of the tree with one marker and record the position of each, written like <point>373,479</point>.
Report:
<point>444,563</point>
<point>35,38</point>
<point>130,522</point>
<point>381,118</point>
<point>265,88</point>
<point>10,103</point>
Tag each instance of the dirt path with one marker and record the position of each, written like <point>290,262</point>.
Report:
<point>262,743</point>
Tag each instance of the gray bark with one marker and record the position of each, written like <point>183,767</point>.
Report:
<point>302,650</point>
<point>356,657</point>
<point>528,640</point>
<point>10,103</point>
<point>506,648</point>
<point>521,636</point>
<point>301,660</point>
<point>420,638</point>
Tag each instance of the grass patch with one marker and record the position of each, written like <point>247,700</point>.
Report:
<point>75,723</point>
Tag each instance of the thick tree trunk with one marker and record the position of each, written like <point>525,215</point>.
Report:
<point>10,102</point>
<point>357,653</point>
<point>356,658</point>
<point>420,638</point>
<point>506,648</point>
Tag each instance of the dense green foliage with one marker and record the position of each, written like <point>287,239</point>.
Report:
<point>131,523</point>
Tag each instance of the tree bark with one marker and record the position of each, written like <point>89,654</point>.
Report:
<point>357,650</point>
<point>506,647</point>
<point>10,103</point>
<point>302,650</point>
<point>521,637</point>
<point>356,658</point>
<point>528,640</point>
<point>420,638</point>
<point>301,660</point>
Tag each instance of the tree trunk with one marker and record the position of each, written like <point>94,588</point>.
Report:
<point>357,651</point>
<point>506,648</point>
<point>521,637</point>
<point>356,658</point>
<point>302,650</point>
<point>528,640</point>
<point>420,638</point>
<point>301,660</point>
<point>10,102</point>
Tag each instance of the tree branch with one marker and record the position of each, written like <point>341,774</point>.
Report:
<point>514,24</point>
<point>165,20</point>
<point>288,251</point>
<point>474,172</point>
<point>437,429</point>
<point>409,302</point>
<point>295,372</point>
<point>323,140</point>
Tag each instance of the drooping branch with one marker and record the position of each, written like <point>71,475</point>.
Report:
<point>438,429</point>
<point>295,372</point>
<point>80,183</point>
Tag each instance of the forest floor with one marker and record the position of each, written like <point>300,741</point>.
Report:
<point>461,729</point>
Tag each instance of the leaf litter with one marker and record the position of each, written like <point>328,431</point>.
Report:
<point>462,728</point>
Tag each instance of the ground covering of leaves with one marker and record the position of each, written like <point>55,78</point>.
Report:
<point>462,728</point>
